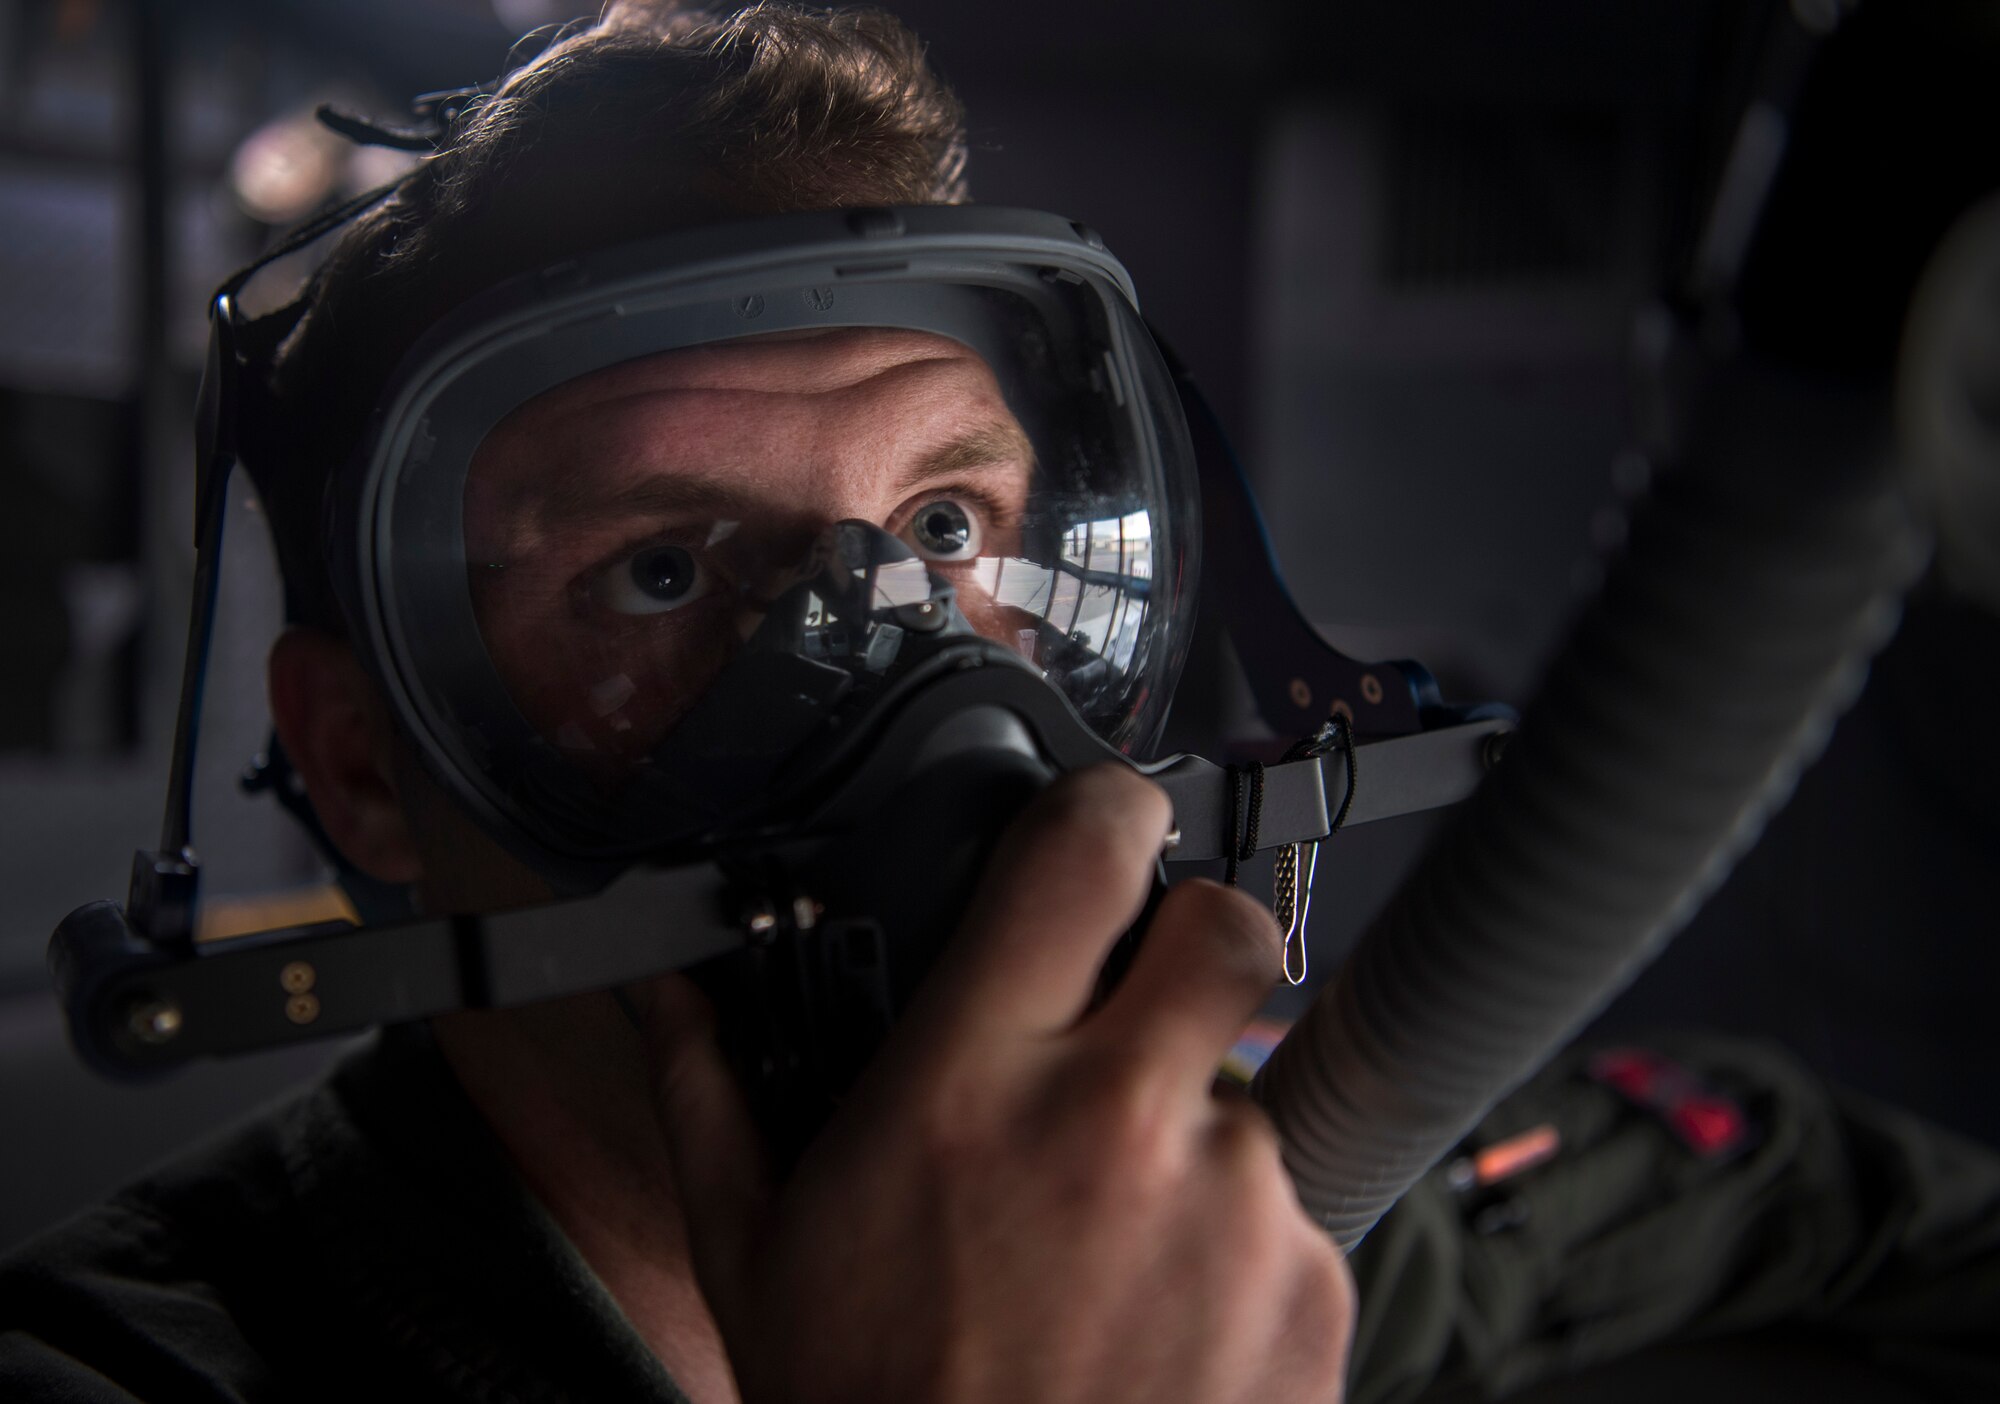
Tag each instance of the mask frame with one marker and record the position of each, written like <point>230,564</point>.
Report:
<point>394,537</point>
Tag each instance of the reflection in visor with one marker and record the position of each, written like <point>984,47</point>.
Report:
<point>1095,595</point>
<point>904,582</point>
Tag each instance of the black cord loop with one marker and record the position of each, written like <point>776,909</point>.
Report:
<point>1344,739</point>
<point>1334,734</point>
<point>1243,828</point>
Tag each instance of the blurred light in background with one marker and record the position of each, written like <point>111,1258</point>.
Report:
<point>520,16</point>
<point>370,166</point>
<point>293,164</point>
<point>286,168</point>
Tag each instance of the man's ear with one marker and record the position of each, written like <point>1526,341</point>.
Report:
<point>336,728</point>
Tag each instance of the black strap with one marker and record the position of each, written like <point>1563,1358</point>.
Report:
<point>437,117</point>
<point>1241,841</point>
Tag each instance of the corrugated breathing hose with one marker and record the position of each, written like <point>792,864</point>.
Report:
<point>1733,629</point>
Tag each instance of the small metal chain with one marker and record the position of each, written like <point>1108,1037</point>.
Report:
<point>1291,899</point>
<point>1287,906</point>
<point>1284,876</point>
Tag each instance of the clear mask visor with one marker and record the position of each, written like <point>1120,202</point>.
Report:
<point>579,572</point>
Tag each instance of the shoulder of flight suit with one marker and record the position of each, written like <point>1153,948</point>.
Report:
<point>1834,1240</point>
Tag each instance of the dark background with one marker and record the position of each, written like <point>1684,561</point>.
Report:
<point>1402,242</point>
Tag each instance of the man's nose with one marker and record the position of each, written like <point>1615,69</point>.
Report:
<point>792,547</point>
<point>771,567</point>
<point>778,561</point>
<point>854,564</point>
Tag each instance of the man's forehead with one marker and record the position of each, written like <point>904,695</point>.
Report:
<point>799,363</point>
<point>594,447</point>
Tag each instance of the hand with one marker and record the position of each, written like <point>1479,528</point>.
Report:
<point>1025,1198</point>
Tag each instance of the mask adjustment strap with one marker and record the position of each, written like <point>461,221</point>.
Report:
<point>165,880</point>
<point>438,115</point>
<point>1237,849</point>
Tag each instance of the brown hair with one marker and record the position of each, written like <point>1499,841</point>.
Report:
<point>655,117</point>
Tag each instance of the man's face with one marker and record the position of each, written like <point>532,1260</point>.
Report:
<point>627,530</point>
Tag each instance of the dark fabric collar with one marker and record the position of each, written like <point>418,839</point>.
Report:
<point>445,1263</point>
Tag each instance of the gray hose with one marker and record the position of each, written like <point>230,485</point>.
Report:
<point>1707,673</point>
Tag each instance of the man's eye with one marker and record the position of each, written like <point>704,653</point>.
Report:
<point>945,529</point>
<point>651,580</point>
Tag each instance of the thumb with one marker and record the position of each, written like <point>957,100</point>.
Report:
<point>718,1156</point>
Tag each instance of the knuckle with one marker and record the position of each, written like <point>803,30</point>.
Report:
<point>1241,928</point>
<point>1326,1280</point>
<point>949,1151</point>
<point>1126,790</point>
<point>1300,1274</point>
<point>1249,1161</point>
<point>1111,804</point>
<point>1246,1142</point>
<point>1249,1158</point>
<point>1322,1310</point>
<point>1135,1117</point>
<point>951,1125</point>
<point>1137,1128</point>
<point>1099,848</point>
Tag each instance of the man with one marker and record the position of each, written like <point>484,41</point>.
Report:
<point>1030,1194</point>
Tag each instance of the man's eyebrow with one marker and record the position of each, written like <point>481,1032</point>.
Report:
<point>574,499</point>
<point>996,444</point>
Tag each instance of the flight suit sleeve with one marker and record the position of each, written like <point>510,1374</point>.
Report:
<point>1831,1219</point>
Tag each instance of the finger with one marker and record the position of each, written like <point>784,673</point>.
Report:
<point>1068,878</point>
<point>1204,967</point>
<point>718,1157</point>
